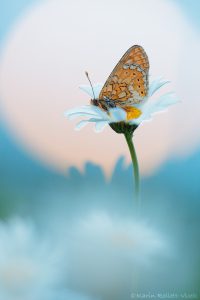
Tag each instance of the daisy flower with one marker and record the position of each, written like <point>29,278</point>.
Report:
<point>29,266</point>
<point>139,112</point>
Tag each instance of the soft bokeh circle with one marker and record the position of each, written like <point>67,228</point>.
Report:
<point>43,63</point>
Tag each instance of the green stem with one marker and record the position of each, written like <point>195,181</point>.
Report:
<point>129,141</point>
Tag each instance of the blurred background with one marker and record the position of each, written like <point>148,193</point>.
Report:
<point>72,191</point>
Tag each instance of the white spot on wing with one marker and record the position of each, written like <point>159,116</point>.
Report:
<point>125,66</point>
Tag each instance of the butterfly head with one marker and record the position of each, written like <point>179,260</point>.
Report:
<point>94,102</point>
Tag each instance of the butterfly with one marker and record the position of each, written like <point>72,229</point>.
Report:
<point>127,84</point>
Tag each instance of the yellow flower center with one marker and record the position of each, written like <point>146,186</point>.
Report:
<point>132,112</point>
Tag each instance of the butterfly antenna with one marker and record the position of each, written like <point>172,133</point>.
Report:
<point>87,75</point>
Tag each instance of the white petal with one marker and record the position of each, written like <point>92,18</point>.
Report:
<point>117,114</point>
<point>87,89</point>
<point>84,111</point>
<point>99,123</point>
<point>155,85</point>
<point>81,124</point>
<point>101,113</point>
<point>96,87</point>
<point>94,120</point>
<point>143,117</point>
<point>84,108</point>
<point>72,116</point>
<point>160,105</point>
<point>164,102</point>
<point>99,126</point>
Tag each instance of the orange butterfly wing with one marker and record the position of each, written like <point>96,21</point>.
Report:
<point>128,82</point>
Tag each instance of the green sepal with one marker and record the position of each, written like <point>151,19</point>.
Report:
<point>124,128</point>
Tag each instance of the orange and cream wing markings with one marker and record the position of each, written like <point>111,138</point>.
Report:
<point>128,82</point>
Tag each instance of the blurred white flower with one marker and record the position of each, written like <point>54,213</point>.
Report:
<point>30,267</point>
<point>139,112</point>
<point>106,256</point>
<point>27,267</point>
